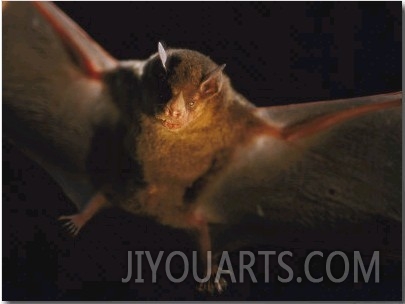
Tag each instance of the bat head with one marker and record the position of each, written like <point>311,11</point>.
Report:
<point>180,86</point>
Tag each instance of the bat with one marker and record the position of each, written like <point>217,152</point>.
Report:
<point>278,180</point>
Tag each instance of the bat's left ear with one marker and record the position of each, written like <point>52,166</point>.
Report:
<point>212,83</point>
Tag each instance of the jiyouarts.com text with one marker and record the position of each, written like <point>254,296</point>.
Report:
<point>359,269</point>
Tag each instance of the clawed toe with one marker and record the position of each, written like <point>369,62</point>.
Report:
<point>74,223</point>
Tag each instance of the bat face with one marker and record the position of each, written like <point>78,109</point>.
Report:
<point>179,94</point>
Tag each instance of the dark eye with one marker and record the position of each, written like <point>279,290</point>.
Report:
<point>191,104</point>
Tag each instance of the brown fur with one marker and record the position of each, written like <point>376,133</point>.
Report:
<point>173,162</point>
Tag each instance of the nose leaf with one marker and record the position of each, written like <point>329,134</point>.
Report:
<point>176,113</point>
<point>177,107</point>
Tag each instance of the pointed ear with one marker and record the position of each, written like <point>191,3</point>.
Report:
<point>212,83</point>
<point>162,54</point>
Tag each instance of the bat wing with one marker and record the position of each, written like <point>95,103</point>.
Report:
<point>53,93</point>
<point>331,168</point>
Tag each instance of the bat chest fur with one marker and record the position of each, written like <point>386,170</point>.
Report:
<point>171,163</point>
<point>174,159</point>
<point>174,162</point>
<point>180,158</point>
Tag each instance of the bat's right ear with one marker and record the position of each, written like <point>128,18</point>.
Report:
<point>162,54</point>
<point>212,83</point>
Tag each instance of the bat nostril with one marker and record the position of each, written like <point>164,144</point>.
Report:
<point>176,113</point>
<point>167,112</point>
<point>172,112</point>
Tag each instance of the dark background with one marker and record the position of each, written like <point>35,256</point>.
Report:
<point>276,53</point>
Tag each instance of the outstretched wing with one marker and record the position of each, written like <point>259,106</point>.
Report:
<point>53,92</point>
<point>330,166</point>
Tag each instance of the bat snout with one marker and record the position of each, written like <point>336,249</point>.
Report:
<point>176,108</point>
<point>174,112</point>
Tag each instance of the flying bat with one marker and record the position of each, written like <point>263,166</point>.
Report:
<point>307,167</point>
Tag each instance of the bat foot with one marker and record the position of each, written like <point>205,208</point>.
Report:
<point>213,287</point>
<point>74,223</point>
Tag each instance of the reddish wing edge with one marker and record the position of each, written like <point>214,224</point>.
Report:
<point>92,57</point>
<point>296,130</point>
<point>326,121</point>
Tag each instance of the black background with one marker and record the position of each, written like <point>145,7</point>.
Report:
<point>276,53</point>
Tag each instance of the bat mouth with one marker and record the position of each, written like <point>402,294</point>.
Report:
<point>168,124</point>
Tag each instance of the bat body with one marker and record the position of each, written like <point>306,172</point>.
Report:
<point>307,167</point>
